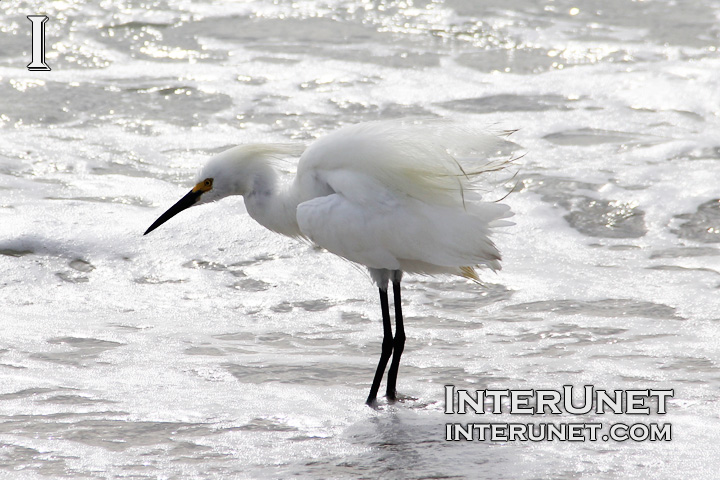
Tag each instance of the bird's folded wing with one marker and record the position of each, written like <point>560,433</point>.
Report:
<point>366,222</point>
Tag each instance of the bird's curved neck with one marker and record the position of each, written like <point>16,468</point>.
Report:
<point>272,203</point>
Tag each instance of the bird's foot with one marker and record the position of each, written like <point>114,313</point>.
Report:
<point>380,406</point>
<point>373,403</point>
<point>398,397</point>
<point>376,404</point>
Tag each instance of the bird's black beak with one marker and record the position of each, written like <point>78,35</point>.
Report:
<point>186,202</point>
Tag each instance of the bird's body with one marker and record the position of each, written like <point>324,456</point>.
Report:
<point>393,196</point>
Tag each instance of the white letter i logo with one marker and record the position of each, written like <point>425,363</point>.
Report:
<point>38,43</point>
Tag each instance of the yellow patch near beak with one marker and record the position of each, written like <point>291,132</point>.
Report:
<point>204,186</point>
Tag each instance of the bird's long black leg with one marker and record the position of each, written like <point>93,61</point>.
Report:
<point>398,343</point>
<point>387,346</point>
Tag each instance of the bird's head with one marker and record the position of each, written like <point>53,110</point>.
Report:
<point>236,171</point>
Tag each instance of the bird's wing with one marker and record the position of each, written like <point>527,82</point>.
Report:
<point>435,161</point>
<point>371,224</point>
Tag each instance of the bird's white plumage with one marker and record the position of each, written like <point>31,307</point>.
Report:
<point>434,161</point>
<point>405,196</point>
<point>390,195</point>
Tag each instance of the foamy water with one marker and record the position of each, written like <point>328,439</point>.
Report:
<point>215,349</point>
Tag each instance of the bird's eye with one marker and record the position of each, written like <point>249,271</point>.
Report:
<point>204,186</point>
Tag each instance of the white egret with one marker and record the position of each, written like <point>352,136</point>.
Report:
<point>395,196</point>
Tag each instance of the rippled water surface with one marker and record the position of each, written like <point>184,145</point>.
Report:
<point>215,349</point>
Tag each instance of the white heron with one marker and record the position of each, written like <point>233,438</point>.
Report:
<point>395,196</point>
